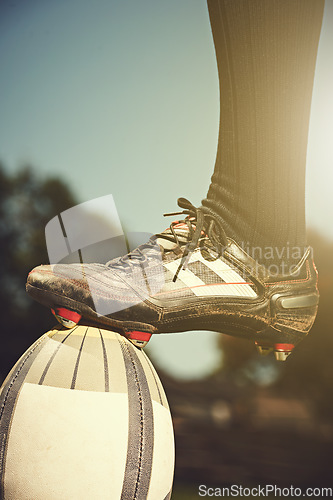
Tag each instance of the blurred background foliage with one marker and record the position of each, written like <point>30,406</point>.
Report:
<point>27,203</point>
<point>252,421</point>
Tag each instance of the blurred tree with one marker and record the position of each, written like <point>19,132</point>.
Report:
<point>308,373</point>
<point>27,203</point>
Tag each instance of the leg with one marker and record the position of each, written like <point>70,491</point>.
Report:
<point>266,53</point>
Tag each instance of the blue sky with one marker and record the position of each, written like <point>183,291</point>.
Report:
<point>121,98</point>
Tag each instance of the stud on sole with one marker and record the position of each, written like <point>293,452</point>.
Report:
<point>263,349</point>
<point>282,351</point>
<point>139,339</point>
<point>66,317</point>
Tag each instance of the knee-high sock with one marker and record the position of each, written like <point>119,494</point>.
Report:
<point>266,53</point>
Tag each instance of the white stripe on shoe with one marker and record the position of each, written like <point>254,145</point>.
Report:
<point>231,283</point>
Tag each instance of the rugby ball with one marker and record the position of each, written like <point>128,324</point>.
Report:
<point>83,415</point>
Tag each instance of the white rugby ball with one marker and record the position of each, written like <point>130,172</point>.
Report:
<point>83,415</point>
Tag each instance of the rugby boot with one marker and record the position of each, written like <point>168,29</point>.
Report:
<point>190,277</point>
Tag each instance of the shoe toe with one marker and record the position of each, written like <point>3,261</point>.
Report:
<point>39,275</point>
<point>56,278</point>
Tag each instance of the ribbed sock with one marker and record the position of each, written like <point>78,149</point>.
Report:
<point>266,53</point>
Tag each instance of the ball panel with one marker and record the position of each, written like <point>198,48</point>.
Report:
<point>68,447</point>
<point>9,393</point>
<point>163,455</point>
<point>155,392</point>
<point>62,371</point>
<point>89,373</point>
<point>38,369</point>
<point>156,388</point>
<point>82,358</point>
<point>116,372</point>
<point>140,427</point>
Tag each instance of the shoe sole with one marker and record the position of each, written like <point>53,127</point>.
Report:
<point>280,338</point>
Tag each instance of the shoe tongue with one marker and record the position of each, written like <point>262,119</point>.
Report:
<point>182,232</point>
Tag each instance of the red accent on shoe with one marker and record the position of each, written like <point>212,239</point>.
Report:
<point>135,335</point>
<point>284,347</point>
<point>67,314</point>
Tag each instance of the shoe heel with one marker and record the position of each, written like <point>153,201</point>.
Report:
<point>294,313</point>
<point>292,319</point>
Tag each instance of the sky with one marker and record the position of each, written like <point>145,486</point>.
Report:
<point>121,98</point>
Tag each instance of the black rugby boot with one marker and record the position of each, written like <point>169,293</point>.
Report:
<point>190,277</point>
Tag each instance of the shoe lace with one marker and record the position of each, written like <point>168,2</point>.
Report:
<point>136,256</point>
<point>200,221</point>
